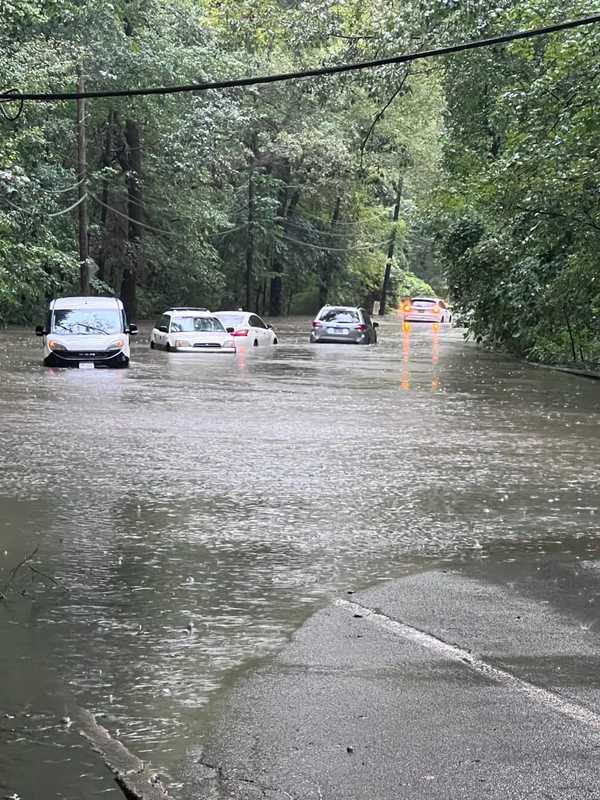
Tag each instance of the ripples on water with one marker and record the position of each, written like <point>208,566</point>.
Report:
<point>240,493</point>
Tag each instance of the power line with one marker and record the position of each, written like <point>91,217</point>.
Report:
<point>20,102</point>
<point>15,96</point>
<point>62,191</point>
<point>131,219</point>
<point>71,207</point>
<point>37,213</point>
<point>360,247</point>
<point>310,230</point>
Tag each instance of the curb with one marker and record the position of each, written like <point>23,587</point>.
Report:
<point>580,373</point>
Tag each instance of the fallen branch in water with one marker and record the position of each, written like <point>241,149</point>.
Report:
<point>13,573</point>
<point>136,780</point>
<point>26,562</point>
<point>44,575</point>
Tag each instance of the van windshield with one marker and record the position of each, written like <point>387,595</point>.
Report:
<point>83,321</point>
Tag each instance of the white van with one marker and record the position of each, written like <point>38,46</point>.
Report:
<point>86,332</point>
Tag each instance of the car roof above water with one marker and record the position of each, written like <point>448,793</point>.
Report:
<point>188,311</point>
<point>85,302</point>
<point>340,308</point>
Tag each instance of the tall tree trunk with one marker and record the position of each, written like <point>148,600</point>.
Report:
<point>263,304</point>
<point>107,158</point>
<point>82,169</point>
<point>328,259</point>
<point>391,247</point>
<point>287,206</point>
<point>250,240</point>
<point>134,269</point>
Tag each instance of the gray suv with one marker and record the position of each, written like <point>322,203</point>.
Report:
<point>343,324</point>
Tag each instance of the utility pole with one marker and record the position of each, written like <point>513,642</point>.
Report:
<point>391,246</point>
<point>326,260</point>
<point>84,266</point>
<point>250,241</point>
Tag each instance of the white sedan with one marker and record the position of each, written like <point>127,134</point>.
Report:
<point>426,309</point>
<point>190,330</point>
<point>248,329</point>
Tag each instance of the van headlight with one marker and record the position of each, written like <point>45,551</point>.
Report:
<point>53,345</point>
<point>119,344</point>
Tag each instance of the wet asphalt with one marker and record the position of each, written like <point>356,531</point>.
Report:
<point>357,710</point>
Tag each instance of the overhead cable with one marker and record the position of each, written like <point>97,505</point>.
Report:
<point>70,208</point>
<point>20,97</point>
<point>14,98</point>
<point>360,247</point>
<point>38,213</point>
<point>66,189</point>
<point>131,219</point>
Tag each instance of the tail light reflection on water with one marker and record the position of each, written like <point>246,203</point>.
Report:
<point>405,382</point>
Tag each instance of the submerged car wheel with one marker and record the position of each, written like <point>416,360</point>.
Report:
<point>152,345</point>
<point>275,341</point>
<point>256,343</point>
<point>168,347</point>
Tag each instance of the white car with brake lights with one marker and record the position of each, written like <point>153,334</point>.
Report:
<point>425,309</point>
<point>248,329</point>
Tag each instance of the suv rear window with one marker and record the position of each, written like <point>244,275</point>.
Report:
<point>340,315</point>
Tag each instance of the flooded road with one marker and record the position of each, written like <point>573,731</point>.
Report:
<point>235,496</point>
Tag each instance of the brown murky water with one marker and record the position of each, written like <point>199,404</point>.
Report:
<point>240,493</point>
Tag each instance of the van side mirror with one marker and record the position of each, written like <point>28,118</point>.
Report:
<point>230,330</point>
<point>375,324</point>
<point>40,330</point>
<point>269,326</point>
<point>163,329</point>
<point>133,329</point>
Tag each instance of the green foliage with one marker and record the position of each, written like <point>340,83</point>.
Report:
<point>518,219</point>
<point>220,180</point>
<point>406,284</point>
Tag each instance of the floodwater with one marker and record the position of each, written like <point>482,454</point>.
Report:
<point>239,494</point>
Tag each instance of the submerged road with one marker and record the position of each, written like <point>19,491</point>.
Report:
<point>245,493</point>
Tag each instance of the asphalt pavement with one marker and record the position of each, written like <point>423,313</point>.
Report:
<point>435,686</point>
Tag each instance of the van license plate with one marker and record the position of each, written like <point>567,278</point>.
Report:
<point>86,365</point>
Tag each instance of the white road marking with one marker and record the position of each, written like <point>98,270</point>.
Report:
<point>500,676</point>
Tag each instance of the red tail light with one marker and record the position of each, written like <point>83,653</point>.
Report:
<point>316,324</point>
<point>241,332</point>
<point>362,328</point>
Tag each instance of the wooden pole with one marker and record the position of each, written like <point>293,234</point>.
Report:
<point>327,259</point>
<point>250,242</point>
<point>391,248</point>
<point>84,267</point>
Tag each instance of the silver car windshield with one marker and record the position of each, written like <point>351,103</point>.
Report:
<point>340,315</point>
<point>82,321</point>
<point>196,325</point>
